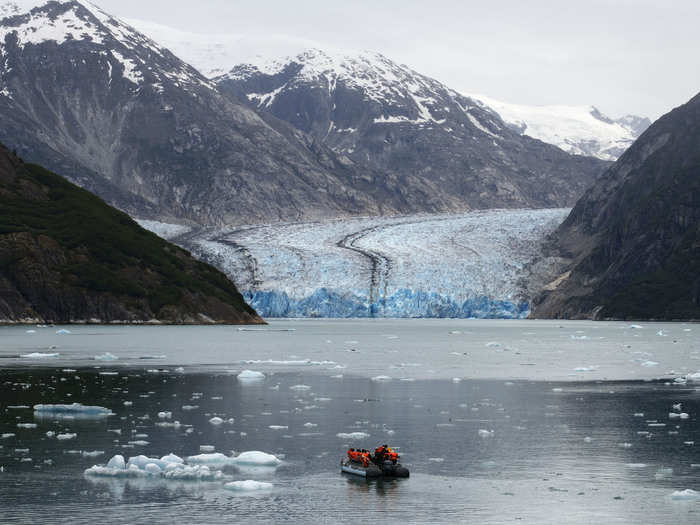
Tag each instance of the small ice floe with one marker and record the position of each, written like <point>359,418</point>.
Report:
<point>579,337</point>
<point>639,414</point>
<point>310,425</point>
<point>677,407</point>
<point>66,436</point>
<point>50,434</point>
<point>250,376</point>
<point>381,378</point>
<point>636,465</point>
<point>693,377</point>
<point>165,415</point>
<point>40,355</point>
<point>591,368</point>
<point>436,460</point>
<point>635,327</point>
<point>216,421</point>
<point>587,439</point>
<point>649,363</point>
<point>30,331</point>
<point>92,454</point>
<point>168,467</point>
<point>63,331</point>
<point>251,458</point>
<point>139,443</point>
<point>300,387</point>
<point>492,344</point>
<point>689,443</point>
<point>278,427</point>
<point>352,435</point>
<point>456,379</point>
<point>190,407</point>
<point>662,333</point>
<point>625,445</point>
<point>663,473</point>
<point>486,433</point>
<point>17,407</point>
<point>687,494</point>
<point>248,486</point>
<point>74,411</point>
<point>26,425</point>
<point>207,448</point>
<point>106,357</point>
<point>128,403</point>
<point>168,424</point>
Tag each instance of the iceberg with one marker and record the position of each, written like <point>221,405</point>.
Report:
<point>251,458</point>
<point>248,485</point>
<point>72,411</point>
<point>169,467</point>
<point>250,376</point>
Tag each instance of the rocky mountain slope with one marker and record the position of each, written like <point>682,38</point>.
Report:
<point>386,117</point>
<point>633,240</point>
<point>84,93</point>
<point>579,130</point>
<point>66,256</point>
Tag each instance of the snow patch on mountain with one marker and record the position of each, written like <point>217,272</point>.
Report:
<point>35,22</point>
<point>580,130</point>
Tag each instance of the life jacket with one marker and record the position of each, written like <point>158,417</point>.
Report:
<point>354,455</point>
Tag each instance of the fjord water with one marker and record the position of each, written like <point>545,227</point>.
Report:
<point>544,422</point>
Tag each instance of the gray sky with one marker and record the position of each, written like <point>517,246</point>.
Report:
<point>624,56</point>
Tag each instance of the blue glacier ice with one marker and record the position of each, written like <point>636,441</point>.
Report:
<point>404,303</point>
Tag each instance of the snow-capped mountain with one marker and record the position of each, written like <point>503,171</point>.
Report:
<point>580,130</point>
<point>387,117</point>
<point>90,97</point>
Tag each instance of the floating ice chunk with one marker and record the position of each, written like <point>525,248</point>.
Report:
<point>26,425</point>
<point>207,448</point>
<point>75,410</point>
<point>663,473</point>
<point>677,407</point>
<point>310,425</point>
<point>436,460</point>
<point>106,357</point>
<point>649,363</point>
<point>190,407</point>
<point>493,344</point>
<point>381,378</point>
<point>662,333</point>
<point>278,427</point>
<point>683,415</point>
<point>39,355</point>
<point>587,439</point>
<point>216,421</point>
<point>557,390</point>
<point>674,415</point>
<point>248,486</point>
<point>456,379</point>
<point>693,377</point>
<point>257,458</point>
<point>139,443</point>
<point>299,387</point>
<point>685,494</point>
<point>485,433</point>
<point>128,403</point>
<point>117,462</point>
<point>352,435</point>
<point>250,376</point>
<point>639,414</point>
<point>625,445</point>
<point>92,454</point>
<point>636,465</point>
<point>66,436</point>
<point>165,415</point>
<point>50,434</point>
<point>635,326</point>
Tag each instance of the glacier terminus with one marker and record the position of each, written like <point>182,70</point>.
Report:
<point>469,265</point>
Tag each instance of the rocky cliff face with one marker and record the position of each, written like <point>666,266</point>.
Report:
<point>633,240</point>
<point>67,257</point>
<point>389,118</point>
<point>84,93</point>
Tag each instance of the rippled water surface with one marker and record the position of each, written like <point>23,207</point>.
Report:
<point>493,449</point>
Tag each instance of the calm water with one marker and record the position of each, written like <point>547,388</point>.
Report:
<point>575,451</point>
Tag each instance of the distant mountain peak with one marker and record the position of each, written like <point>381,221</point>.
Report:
<point>580,130</point>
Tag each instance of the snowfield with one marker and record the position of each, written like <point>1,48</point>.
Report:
<point>462,266</point>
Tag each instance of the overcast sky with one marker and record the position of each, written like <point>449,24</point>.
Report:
<point>624,56</point>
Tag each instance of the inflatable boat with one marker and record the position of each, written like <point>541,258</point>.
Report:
<point>362,463</point>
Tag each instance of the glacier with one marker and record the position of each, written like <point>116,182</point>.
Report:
<point>468,265</point>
